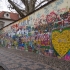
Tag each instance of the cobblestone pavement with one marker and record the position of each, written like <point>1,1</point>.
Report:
<point>12,61</point>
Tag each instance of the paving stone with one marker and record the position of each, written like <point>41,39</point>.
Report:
<point>1,68</point>
<point>11,66</point>
<point>21,60</point>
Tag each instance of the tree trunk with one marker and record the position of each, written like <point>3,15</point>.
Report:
<point>16,8</point>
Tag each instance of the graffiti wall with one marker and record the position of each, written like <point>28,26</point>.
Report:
<point>46,31</point>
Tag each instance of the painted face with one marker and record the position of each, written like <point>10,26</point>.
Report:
<point>49,18</point>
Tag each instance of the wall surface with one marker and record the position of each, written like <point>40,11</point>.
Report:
<point>6,22</point>
<point>47,29</point>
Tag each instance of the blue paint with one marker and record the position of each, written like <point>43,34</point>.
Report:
<point>59,2</point>
<point>68,53</point>
<point>38,15</point>
<point>55,8</point>
<point>46,11</point>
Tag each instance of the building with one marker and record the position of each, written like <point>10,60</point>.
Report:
<point>7,18</point>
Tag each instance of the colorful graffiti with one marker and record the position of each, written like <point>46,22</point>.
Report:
<point>61,41</point>
<point>46,31</point>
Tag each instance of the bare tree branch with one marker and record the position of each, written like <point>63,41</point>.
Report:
<point>41,3</point>
<point>16,8</point>
<point>30,5</point>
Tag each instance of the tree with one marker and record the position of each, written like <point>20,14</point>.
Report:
<point>30,5</point>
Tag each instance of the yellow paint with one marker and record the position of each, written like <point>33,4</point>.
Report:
<point>61,42</point>
<point>23,19</point>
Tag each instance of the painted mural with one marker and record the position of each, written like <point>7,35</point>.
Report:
<point>61,42</point>
<point>46,31</point>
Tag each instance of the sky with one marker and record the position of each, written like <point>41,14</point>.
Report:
<point>3,5</point>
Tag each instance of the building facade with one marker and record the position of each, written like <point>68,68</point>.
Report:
<point>7,18</point>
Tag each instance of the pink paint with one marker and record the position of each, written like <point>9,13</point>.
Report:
<point>62,10</point>
<point>51,17</point>
<point>67,57</point>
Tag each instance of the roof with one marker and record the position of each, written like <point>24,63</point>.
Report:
<point>13,16</point>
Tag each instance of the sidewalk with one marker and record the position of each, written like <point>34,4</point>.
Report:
<point>12,59</point>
